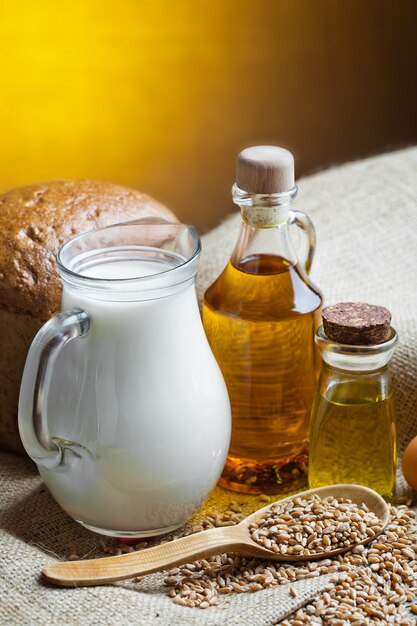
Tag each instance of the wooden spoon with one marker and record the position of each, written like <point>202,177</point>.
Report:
<point>203,544</point>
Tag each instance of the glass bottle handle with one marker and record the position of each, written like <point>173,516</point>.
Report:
<point>46,346</point>
<point>303,222</point>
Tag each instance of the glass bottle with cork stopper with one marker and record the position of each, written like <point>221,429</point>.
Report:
<point>353,436</point>
<point>260,316</point>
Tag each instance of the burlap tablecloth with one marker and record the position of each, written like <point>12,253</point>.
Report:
<point>366,219</point>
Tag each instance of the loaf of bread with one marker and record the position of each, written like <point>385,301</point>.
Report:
<point>34,222</point>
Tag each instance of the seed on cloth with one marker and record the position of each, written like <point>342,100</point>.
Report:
<point>355,590</point>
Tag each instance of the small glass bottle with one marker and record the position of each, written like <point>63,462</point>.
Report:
<point>353,435</point>
<point>260,316</point>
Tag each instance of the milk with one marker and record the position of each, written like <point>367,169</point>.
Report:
<point>144,400</point>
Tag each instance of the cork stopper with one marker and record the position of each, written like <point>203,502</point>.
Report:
<point>265,170</point>
<point>356,323</point>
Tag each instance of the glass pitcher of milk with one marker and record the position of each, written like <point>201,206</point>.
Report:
<point>122,405</point>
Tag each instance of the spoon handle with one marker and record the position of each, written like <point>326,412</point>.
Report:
<point>165,556</point>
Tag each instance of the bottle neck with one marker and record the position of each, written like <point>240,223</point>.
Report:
<point>356,359</point>
<point>265,228</point>
<point>264,211</point>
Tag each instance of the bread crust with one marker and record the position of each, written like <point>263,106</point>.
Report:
<point>35,221</point>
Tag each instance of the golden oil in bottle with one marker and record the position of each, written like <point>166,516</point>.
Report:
<point>353,436</point>
<point>353,432</point>
<point>260,316</point>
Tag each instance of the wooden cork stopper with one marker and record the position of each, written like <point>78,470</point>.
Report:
<point>356,323</point>
<point>265,170</point>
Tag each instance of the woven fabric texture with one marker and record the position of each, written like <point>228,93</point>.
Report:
<point>366,219</point>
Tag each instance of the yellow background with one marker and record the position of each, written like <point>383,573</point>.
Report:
<point>160,94</point>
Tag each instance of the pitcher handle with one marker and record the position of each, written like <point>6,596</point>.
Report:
<point>303,222</point>
<point>47,344</point>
